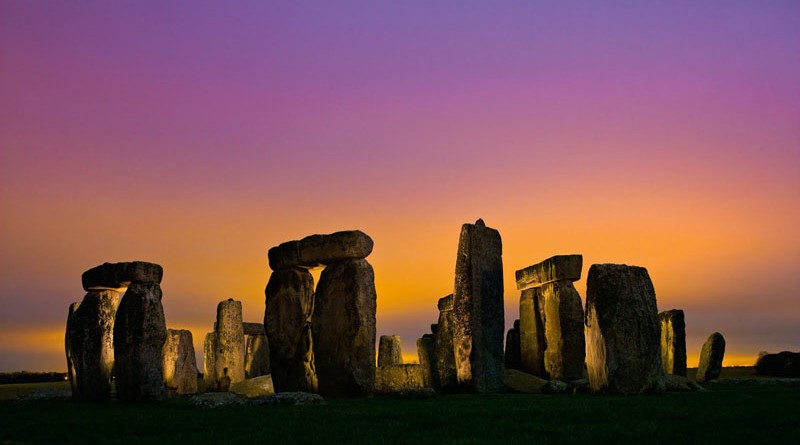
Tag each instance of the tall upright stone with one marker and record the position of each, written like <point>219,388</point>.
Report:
<point>444,350</point>
<point>229,363</point>
<point>344,329</point>
<point>512,357</point>
<point>532,340</point>
<point>479,323</point>
<point>673,342</point>
<point>67,346</point>
<point>256,358</point>
<point>287,321</point>
<point>180,366</point>
<point>91,345</point>
<point>389,350</point>
<point>711,356</point>
<point>623,353</point>
<point>210,361</point>
<point>427,360</point>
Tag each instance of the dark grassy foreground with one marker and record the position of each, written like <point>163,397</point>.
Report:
<point>733,414</point>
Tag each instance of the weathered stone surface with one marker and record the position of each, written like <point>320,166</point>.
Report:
<point>121,275</point>
<point>344,329</point>
<point>782,364</point>
<point>139,335</point>
<point>565,348</point>
<point>512,357</point>
<point>91,345</point>
<point>390,350</point>
<point>229,363</point>
<point>396,378</point>
<point>210,361</point>
<point>445,364</point>
<point>427,359</point>
<point>556,268</point>
<point>532,340</point>
<point>256,387</point>
<point>70,360</point>
<point>518,381</point>
<point>253,329</point>
<point>316,250</point>
<point>256,357</point>
<point>623,353</point>
<point>479,323</point>
<point>287,320</point>
<point>556,387</point>
<point>711,358</point>
<point>180,366</point>
<point>680,383</point>
<point>673,342</point>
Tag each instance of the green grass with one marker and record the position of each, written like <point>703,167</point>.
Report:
<point>732,414</point>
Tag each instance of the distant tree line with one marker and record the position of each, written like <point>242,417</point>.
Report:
<point>31,377</point>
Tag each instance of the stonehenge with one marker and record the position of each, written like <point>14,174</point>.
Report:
<point>711,356</point>
<point>229,344</point>
<point>512,356</point>
<point>321,250</point>
<point>427,359</point>
<point>443,348</point>
<point>90,345</point>
<point>673,342</point>
<point>256,356</point>
<point>70,361</point>
<point>180,366</point>
<point>210,361</point>
<point>389,350</point>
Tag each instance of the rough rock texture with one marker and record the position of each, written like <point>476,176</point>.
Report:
<point>344,329</point>
<point>557,268</point>
<point>255,387</point>
<point>782,364</point>
<point>427,359</point>
<point>711,356</point>
<point>316,250</point>
<point>287,320</point>
<point>210,361</point>
<point>390,350</point>
<point>479,323</point>
<point>532,341</point>
<point>91,345</point>
<point>518,381</point>
<point>673,342</point>
<point>396,378</point>
<point>180,366</point>
<point>681,383</point>
<point>512,357</point>
<point>445,359</point>
<point>256,356</point>
<point>565,348</point>
<point>556,387</point>
<point>623,354</point>
<point>121,275</point>
<point>139,335</point>
<point>70,360</point>
<point>229,362</point>
<point>253,329</point>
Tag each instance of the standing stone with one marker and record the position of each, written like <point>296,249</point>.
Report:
<point>210,361</point>
<point>565,348</point>
<point>287,321</point>
<point>70,360</point>
<point>623,354</point>
<point>427,360</point>
<point>180,367</point>
<point>444,351</point>
<point>389,351</point>
<point>91,345</point>
<point>673,342</point>
<point>478,309</point>
<point>532,340</point>
<point>711,357</point>
<point>139,335</point>
<point>256,359</point>
<point>399,379</point>
<point>512,357</point>
<point>229,344</point>
<point>344,329</point>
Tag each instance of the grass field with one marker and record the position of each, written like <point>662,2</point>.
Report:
<point>731,414</point>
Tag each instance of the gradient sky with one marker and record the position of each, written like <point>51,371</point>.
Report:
<point>197,135</point>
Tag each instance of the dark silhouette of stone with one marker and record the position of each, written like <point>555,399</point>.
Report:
<point>444,352</point>
<point>556,268</point>
<point>565,348</point>
<point>434,328</point>
<point>479,323</point>
<point>253,329</point>
<point>210,361</point>
<point>230,347</point>
<point>70,359</point>
<point>317,250</point>
<point>623,353</point>
<point>782,364</point>
<point>121,275</point>
<point>139,335</point>
<point>389,350</point>
<point>287,320</point>
<point>518,381</point>
<point>91,345</point>
<point>427,359</point>
<point>512,357</point>
<point>256,387</point>
<point>256,357</point>
<point>711,358</point>
<point>673,342</point>
<point>532,339</point>
<point>394,379</point>
<point>180,366</point>
<point>344,329</point>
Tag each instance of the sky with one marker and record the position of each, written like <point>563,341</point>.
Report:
<point>198,134</point>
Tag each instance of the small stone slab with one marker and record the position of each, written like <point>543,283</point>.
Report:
<point>318,250</point>
<point>255,387</point>
<point>390,350</point>
<point>121,275</point>
<point>518,381</point>
<point>253,328</point>
<point>396,378</point>
<point>556,268</point>
<point>446,303</point>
